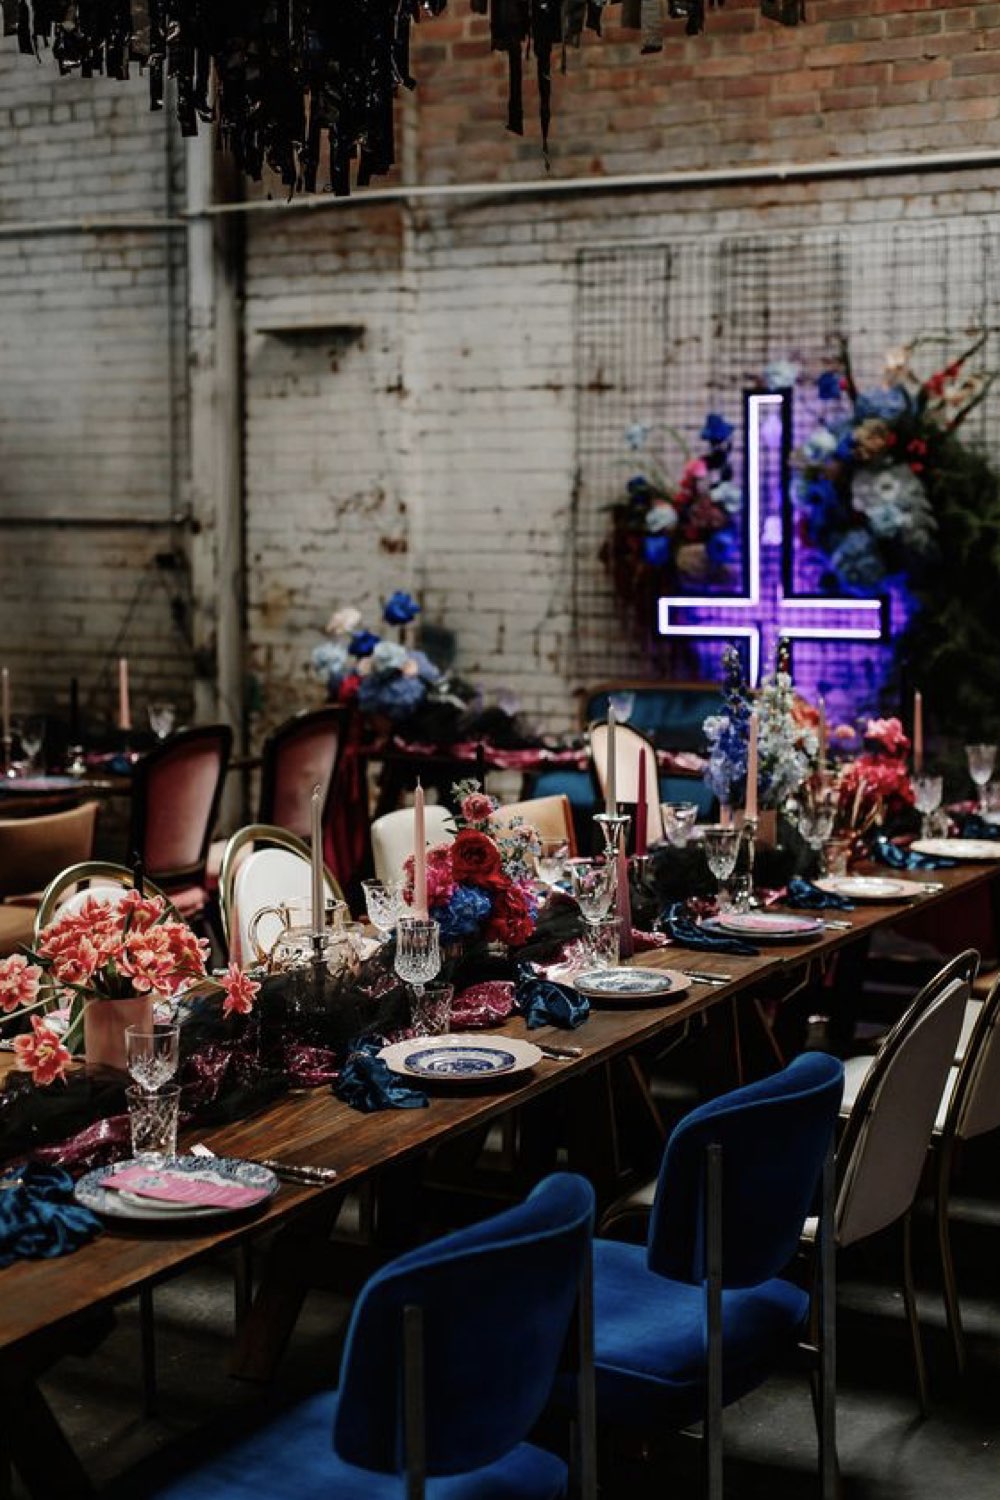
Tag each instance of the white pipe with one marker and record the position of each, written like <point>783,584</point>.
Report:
<point>547,187</point>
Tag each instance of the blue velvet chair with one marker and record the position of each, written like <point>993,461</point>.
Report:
<point>449,1362</point>
<point>703,1312</point>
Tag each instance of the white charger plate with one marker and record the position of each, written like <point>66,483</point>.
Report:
<point>867,887</point>
<point>630,986</point>
<point>460,1058</point>
<point>121,1205</point>
<point>983,849</point>
<point>765,927</point>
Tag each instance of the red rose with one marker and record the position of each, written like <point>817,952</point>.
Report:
<point>511,922</point>
<point>475,858</point>
<point>348,689</point>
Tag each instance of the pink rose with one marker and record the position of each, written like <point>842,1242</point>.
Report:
<point>477,807</point>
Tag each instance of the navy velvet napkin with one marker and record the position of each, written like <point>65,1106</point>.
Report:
<point>975,827</point>
<point>542,1002</point>
<point>803,894</point>
<point>38,1217</point>
<point>678,925</point>
<point>888,853</point>
<point>366,1083</point>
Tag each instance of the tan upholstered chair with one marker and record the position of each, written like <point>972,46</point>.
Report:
<point>629,744</point>
<point>32,852</point>
<point>551,817</point>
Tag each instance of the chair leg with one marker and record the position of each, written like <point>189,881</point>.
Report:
<point>826,1388</point>
<point>952,1307</point>
<point>910,1304</point>
<point>716,1346</point>
<point>147,1343</point>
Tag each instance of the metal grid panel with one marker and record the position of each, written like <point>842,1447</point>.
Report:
<point>668,332</point>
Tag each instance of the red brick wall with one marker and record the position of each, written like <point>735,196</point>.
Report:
<point>859,78</point>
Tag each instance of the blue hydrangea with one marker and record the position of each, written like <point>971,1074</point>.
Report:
<point>857,562</point>
<point>389,656</point>
<point>330,662</point>
<point>722,547</point>
<point>391,694</point>
<point>426,670</point>
<point>828,386</point>
<point>466,911</point>
<point>656,549</point>
<point>400,608</point>
<point>879,402</point>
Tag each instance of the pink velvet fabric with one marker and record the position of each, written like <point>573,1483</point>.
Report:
<point>304,761</point>
<point>181,793</point>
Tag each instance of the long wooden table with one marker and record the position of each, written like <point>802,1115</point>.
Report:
<point>42,1302</point>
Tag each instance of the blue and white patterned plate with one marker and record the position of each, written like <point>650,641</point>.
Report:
<point>459,1058</point>
<point>116,1205</point>
<point>630,986</point>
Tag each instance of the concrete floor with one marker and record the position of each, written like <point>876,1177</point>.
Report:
<point>887,1453</point>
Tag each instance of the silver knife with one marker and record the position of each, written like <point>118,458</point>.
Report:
<point>559,1054</point>
<point>701,978</point>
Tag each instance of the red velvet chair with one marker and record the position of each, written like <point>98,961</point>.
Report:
<point>175,800</point>
<point>299,755</point>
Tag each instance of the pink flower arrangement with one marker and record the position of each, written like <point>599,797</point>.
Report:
<point>877,781</point>
<point>110,949</point>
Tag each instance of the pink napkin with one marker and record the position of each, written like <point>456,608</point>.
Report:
<point>199,1191</point>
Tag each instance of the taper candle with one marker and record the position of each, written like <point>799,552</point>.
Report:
<point>610,790</point>
<point>822,735</point>
<point>74,710</point>
<point>750,802</point>
<point>419,854</point>
<point>641,808</point>
<point>725,815</point>
<point>623,903</point>
<point>5,694</point>
<point>316,861</point>
<point>918,733</point>
<point>124,710</point>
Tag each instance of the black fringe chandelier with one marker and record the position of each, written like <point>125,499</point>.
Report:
<point>278,76</point>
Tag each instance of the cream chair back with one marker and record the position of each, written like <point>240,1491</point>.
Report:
<point>267,879</point>
<point>392,837</point>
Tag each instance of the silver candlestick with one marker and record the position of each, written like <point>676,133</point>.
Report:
<point>614,827</point>
<point>750,839</point>
<point>7,752</point>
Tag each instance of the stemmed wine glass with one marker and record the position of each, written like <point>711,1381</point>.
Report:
<point>418,952</point>
<point>162,718</point>
<point>593,891</point>
<point>31,733</point>
<point>982,761</point>
<point>722,848</point>
<point>623,703</point>
<point>384,904</point>
<point>551,859</point>
<point>151,1054</point>
<point>927,794</point>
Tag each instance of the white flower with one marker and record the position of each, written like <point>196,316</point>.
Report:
<point>818,445</point>
<point>895,493</point>
<point>389,656</point>
<point>661,517</point>
<point>780,375</point>
<point>636,435</point>
<point>343,621</point>
<point>729,495</point>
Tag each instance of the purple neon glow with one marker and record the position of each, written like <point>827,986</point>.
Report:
<point>840,643</point>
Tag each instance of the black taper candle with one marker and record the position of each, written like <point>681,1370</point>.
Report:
<point>481,765</point>
<point>138,875</point>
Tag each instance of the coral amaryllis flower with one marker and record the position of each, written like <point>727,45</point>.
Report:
<point>42,1054</point>
<point>239,990</point>
<point>18,982</point>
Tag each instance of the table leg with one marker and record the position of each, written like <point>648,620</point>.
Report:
<point>38,1449</point>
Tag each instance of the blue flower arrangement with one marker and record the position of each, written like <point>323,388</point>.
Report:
<point>384,677</point>
<point>787,745</point>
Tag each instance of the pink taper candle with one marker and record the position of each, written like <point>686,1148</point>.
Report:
<point>623,903</point>
<point>918,733</point>
<point>5,679</point>
<point>419,855</point>
<point>124,711</point>
<point>641,808</point>
<point>725,815</point>
<point>751,796</point>
<point>316,860</point>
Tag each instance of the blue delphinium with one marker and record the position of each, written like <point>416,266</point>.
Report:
<point>467,909</point>
<point>400,608</point>
<point>728,733</point>
<point>656,549</point>
<point>828,386</point>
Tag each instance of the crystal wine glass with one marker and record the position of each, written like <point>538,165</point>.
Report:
<point>418,952</point>
<point>678,820</point>
<point>982,761</point>
<point>162,718</point>
<point>551,859</point>
<point>151,1054</point>
<point>623,703</point>
<point>384,904</point>
<point>593,891</point>
<point>722,848</point>
<point>927,794</point>
<point>31,733</point>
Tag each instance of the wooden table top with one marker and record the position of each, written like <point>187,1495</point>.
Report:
<point>316,1128</point>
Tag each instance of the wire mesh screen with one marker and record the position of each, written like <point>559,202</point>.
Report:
<point>666,333</point>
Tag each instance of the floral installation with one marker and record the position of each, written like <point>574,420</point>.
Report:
<point>865,478</point>
<point>683,534</point>
<point>480,884</point>
<point>107,950</point>
<point>876,784</point>
<point>383,677</point>
<point>787,739</point>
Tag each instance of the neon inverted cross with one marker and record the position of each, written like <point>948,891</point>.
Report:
<point>763,614</point>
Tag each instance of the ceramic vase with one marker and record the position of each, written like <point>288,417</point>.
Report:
<point>104,1023</point>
